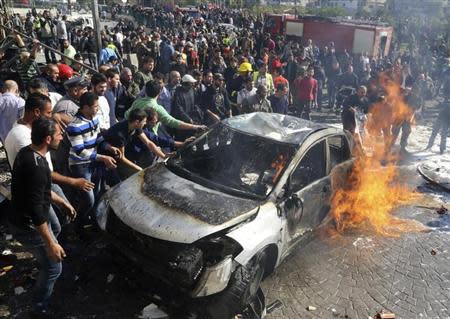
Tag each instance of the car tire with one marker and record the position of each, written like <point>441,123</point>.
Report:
<point>242,289</point>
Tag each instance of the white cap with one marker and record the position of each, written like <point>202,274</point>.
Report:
<point>188,79</point>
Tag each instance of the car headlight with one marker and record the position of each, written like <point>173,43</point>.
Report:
<point>214,278</point>
<point>101,213</point>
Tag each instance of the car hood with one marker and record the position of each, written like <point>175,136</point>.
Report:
<point>160,204</point>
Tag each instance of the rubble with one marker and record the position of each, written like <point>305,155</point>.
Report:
<point>7,268</point>
<point>7,252</point>
<point>442,210</point>
<point>110,278</point>
<point>19,290</point>
<point>385,315</point>
<point>273,306</point>
<point>153,312</point>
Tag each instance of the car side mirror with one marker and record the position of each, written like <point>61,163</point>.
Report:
<point>286,192</point>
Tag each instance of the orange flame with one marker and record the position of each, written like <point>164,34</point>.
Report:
<point>371,192</point>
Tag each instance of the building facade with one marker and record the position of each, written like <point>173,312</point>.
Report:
<point>420,7</point>
<point>348,5</point>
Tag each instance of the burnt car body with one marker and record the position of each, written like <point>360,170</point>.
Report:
<point>229,207</point>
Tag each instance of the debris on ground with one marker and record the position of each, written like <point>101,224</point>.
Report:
<point>311,308</point>
<point>7,268</point>
<point>110,278</point>
<point>334,312</point>
<point>7,252</point>
<point>153,312</point>
<point>274,306</point>
<point>442,210</point>
<point>8,237</point>
<point>385,315</point>
<point>433,252</point>
<point>19,290</point>
<point>4,311</point>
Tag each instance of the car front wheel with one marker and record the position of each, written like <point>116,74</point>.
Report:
<point>241,291</point>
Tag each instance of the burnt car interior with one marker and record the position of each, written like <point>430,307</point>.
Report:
<point>311,167</point>
<point>235,160</point>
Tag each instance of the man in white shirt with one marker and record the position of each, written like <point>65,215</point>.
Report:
<point>36,85</point>
<point>100,84</point>
<point>61,31</point>
<point>36,106</point>
<point>246,92</point>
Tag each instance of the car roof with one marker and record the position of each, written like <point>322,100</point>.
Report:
<point>274,126</point>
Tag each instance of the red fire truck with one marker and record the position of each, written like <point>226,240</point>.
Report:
<point>351,35</point>
<point>275,23</point>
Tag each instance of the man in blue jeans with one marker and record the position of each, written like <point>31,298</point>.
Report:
<point>84,161</point>
<point>33,221</point>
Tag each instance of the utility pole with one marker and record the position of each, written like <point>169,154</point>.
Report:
<point>97,27</point>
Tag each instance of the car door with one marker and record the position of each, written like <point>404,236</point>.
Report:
<point>340,160</point>
<point>309,189</point>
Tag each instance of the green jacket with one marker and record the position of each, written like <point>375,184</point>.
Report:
<point>148,102</point>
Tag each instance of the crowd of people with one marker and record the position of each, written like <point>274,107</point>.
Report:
<point>69,132</point>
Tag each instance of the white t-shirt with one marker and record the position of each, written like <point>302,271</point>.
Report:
<point>119,37</point>
<point>103,112</point>
<point>245,94</point>
<point>18,137</point>
<point>54,97</point>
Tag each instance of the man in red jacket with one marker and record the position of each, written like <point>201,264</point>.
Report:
<point>306,93</point>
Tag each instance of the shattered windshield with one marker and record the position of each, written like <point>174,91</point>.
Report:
<point>233,160</point>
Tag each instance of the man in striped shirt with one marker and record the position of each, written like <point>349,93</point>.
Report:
<point>84,161</point>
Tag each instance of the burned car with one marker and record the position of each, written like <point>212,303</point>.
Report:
<point>229,207</point>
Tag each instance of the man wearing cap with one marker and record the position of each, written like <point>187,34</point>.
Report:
<point>238,83</point>
<point>68,105</point>
<point>183,102</point>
